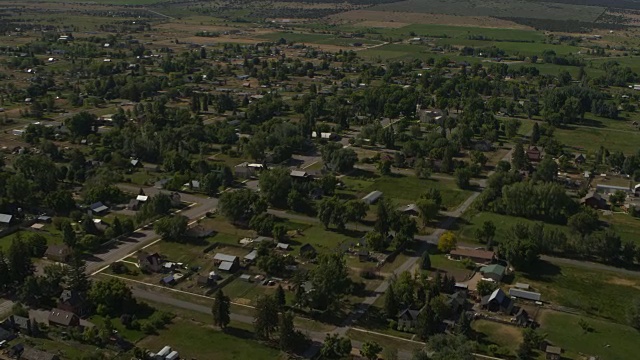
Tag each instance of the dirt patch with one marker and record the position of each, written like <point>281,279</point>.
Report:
<point>366,16</point>
<point>242,301</point>
<point>623,282</point>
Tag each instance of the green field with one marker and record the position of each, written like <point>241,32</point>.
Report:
<point>407,189</point>
<point>507,337</point>
<point>607,340</point>
<point>52,235</point>
<point>590,139</point>
<point>198,342</point>
<point>593,292</point>
<point>457,32</point>
<point>495,8</point>
<point>626,226</point>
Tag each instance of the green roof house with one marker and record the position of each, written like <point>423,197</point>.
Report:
<point>493,271</point>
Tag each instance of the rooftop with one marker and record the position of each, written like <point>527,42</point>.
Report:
<point>479,254</point>
<point>224,257</point>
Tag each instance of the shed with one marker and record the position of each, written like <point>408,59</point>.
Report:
<point>167,280</point>
<point>164,352</point>
<point>250,257</point>
<point>35,354</point>
<point>372,197</point>
<point>524,294</point>
<point>226,266</point>
<point>282,246</point>
<point>522,286</point>
<point>142,198</point>
<point>172,356</point>
<point>98,207</point>
<point>411,209</point>
<point>5,219</point>
<point>553,352</point>
<point>245,277</point>
<point>308,251</point>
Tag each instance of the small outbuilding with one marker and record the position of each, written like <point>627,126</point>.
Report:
<point>372,197</point>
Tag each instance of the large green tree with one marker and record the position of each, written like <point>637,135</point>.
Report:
<point>221,309</point>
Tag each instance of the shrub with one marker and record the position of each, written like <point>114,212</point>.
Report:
<point>119,268</point>
<point>468,263</point>
<point>147,328</point>
<point>393,324</point>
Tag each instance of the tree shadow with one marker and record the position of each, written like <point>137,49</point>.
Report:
<point>367,174</point>
<point>239,333</point>
<point>543,271</point>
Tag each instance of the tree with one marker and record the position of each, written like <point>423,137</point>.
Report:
<point>172,228</point>
<point>463,176</point>
<point>332,211</point>
<point>633,315</point>
<point>391,305</point>
<point>111,297</point>
<point>68,234</point>
<point>275,186</point>
<point>546,171</point>
<point>335,347</point>
<point>390,354</point>
<point>384,166</point>
<point>375,241</point>
<point>80,124</point>
<point>241,205</point>
<point>485,288</point>
<point>520,248</point>
<point>60,202</point>
<point>425,261</point>
<point>446,347</point>
<point>617,198</point>
<point>463,325</point>
<point>518,160</point>
<point>486,233</point>
<point>19,261</point>
<point>422,168</point>
<point>337,158</point>
<point>286,332</point>
<point>330,280</point>
<point>383,218</point>
<point>221,309</point>
<point>447,242</point>
<point>428,210</point>
<point>535,134</point>
<point>511,127</point>
<point>266,320</point>
<point>281,300</point>
<point>370,350</point>
<point>584,222</point>
<point>77,278</point>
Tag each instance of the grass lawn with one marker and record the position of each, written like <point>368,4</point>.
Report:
<point>325,241</point>
<point>64,348</point>
<point>129,334</point>
<point>52,235</point>
<point>624,225</point>
<point>594,292</point>
<point>505,336</point>
<point>199,342</point>
<point>384,341</point>
<point>607,340</point>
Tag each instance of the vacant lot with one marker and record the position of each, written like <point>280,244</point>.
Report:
<point>473,221</point>
<point>590,139</point>
<point>197,342</point>
<point>498,8</point>
<point>606,340</point>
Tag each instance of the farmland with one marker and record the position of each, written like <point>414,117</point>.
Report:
<point>495,8</point>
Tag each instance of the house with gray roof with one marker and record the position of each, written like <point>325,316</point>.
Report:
<point>498,301</point>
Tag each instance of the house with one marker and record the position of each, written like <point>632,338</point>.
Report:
<point>524,294</point>
<point>134,205</point>
<point>498,301</point>
<point>408,318</point>
<point>579,159</point>
<point>411,209</point>
<point>323,135</point>
<point>6,335</point>
<point>98,208</point>
<point>494,271</point>
<point>299,174</point>
<point>534,154</point>
<point>168,280</point>
<point>5,219</point>
<point>19,323</point>
<point>308,251</point>
<point>59,253</point>
<point>149,262</point>
<point>59,317</point>
<point>363,255</point>
<point>553,352</point>
<point>226,262</point>
<point>193,184</point>
<point>44,219</point>
<point>282,246</point>
<point>33,354</point>
<point>477,256</point>
<point>372,197</point>
<point>521,318</point>
<point>246,170</point>
<point>594,200</point>
<point>72,301</point>
<point>457,301</point>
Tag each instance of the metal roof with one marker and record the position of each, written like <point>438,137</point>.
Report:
<point>523,294</point>
<point>225,265</point>
<point>224,257</point>
<point>252,255</point>
<point>5,218</point>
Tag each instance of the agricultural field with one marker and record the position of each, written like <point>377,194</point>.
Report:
<point>587,139</point>
<point>496,8</point>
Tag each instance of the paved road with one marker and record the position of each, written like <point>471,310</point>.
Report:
<point>316,336</point>
<point>141,237</point>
